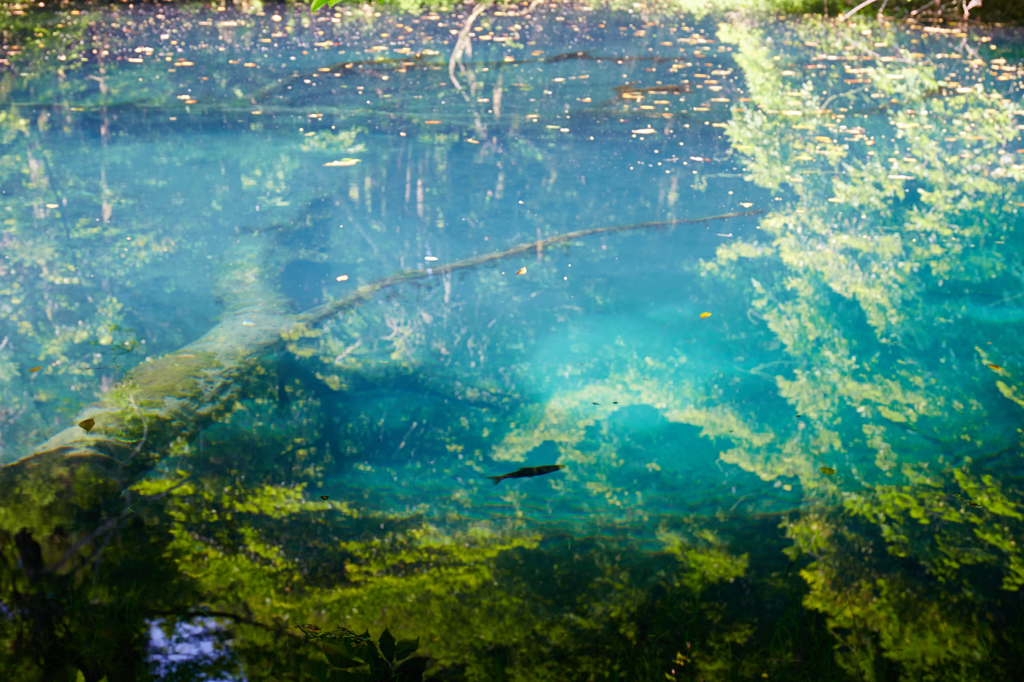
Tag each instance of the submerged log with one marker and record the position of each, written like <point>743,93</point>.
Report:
<point>172,398</point>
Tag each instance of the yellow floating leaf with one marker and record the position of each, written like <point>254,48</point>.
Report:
<point>521,271</point>
<point>704,315</point>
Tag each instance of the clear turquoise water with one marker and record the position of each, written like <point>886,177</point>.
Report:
<point>215,152</point>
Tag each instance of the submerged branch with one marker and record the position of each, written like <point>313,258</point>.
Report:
<point>365,292</point>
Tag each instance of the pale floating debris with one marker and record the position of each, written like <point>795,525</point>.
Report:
<point>644,131</point>
<point>430,258</point>
<point>248,323</point>
<point>341,278</point>
<point>746,204</point>
<point>521,271</point>
<point>343,162</point>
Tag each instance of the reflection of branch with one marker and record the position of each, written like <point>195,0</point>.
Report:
<point>464,44</point>
<point>109,525</point>
<point>968,6</point>
<point>348,350</point>
<point>215,614</point>
<point>871,52</point>
<point>533,6</point>
<point>367,291</point>
<point>856,9</point>
<point>844,94</point>
<point>921,9</point>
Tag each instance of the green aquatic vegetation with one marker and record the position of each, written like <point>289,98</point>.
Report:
<point>864,576</point>
<point>221,505</point>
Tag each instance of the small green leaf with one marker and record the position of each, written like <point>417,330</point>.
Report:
<point>386,642</point>
<point>317,4</point>
<point>405,647</point>
<point>371,655</point>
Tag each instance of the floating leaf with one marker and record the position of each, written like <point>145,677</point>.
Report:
<point>828,471</point>
<point>324,497</point>
<point>87,424</point>
<point>343,162</point>
<point>36,369</point>
<point>704,315</point>
<point>521,271</point>
<point>995,367</point>
<point>644,131</point>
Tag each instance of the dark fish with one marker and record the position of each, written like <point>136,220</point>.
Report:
<point>324,497</point>
<point>87,424</point>
<point>527,472</point>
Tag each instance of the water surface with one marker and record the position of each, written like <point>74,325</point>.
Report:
<point>818,266</point>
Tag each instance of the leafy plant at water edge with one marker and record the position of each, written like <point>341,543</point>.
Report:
<point>386,659</point>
